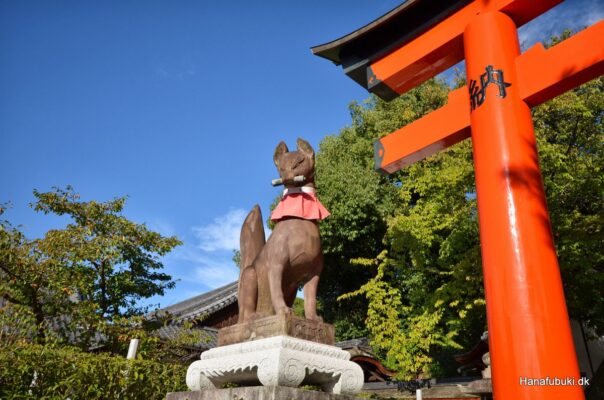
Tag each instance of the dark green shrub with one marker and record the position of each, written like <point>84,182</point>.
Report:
<point>29,371</point>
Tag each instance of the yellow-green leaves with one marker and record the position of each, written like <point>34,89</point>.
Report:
<point>405,340</point>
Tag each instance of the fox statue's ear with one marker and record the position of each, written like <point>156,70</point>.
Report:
<point>279,151</point>
<point>305,148</point>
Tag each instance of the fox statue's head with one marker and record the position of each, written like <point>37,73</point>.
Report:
<point>292,164</point>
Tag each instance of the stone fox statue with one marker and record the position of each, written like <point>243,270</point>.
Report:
<point>272,271</point>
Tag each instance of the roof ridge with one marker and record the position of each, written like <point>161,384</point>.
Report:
<point>203,301</point>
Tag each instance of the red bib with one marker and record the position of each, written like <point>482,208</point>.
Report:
<point>301,204</point>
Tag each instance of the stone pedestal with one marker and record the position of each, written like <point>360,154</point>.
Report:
<point>277,361</point>
<point>484,386</point>
<point>258,393</point>
<point>277,325</point>
<point>479,387</point>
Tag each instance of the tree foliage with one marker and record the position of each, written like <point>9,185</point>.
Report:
<point>570,138</point>
<point>41,372</point>
<point>38,291</point>
<point>405,248</point>
<point>74,282</point>
<point>360,200</point>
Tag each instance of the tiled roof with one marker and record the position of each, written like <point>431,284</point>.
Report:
<point>172,332</point>
<point>361,343</point>
<point>203,304</point>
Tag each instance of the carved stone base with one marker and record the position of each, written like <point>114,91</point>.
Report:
<point>277,325</point>
<point>479,387</point>
<point>277,361</point>
<point>258,393</point>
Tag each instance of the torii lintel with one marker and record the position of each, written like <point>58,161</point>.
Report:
<point>543,75</point>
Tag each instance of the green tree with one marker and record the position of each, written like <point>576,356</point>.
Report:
<point>427,294</point>
<point>77,279</point>
<point>570,138</point>
<point>37,290</point>
<point>360,200</point>
<point>121,257</point>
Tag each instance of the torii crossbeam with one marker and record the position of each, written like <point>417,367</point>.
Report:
<point>529,330</point>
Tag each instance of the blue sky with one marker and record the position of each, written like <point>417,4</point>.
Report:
<point>179,105</point>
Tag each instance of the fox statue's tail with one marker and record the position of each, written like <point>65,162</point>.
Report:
<point>252,237</point>
<point>251,242</point>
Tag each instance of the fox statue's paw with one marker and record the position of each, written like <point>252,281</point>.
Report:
<point>284,311</point>
<point>251,317</point>
<point>314,317</point>
<point>260,315</point>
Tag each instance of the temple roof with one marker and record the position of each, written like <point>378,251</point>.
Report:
<point>209,336</point>
<point>357,50</point>
<point>360,344</point>
<point>202,305</point>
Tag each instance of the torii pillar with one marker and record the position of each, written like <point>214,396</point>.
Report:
<point>531,345</point>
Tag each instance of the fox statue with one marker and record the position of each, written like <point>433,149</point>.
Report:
<point>273,270</point>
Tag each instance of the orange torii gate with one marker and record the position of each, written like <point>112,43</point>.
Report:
<point>529,330</point>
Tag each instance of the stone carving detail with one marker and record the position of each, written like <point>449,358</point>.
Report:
<point>277,361</point>
<point>277,325</point>
<point>196,380</point>
<point>486,359</point>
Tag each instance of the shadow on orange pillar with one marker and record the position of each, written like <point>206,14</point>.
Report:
<point>529,331</point>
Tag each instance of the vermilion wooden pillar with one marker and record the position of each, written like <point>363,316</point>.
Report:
<point>529,330</point>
